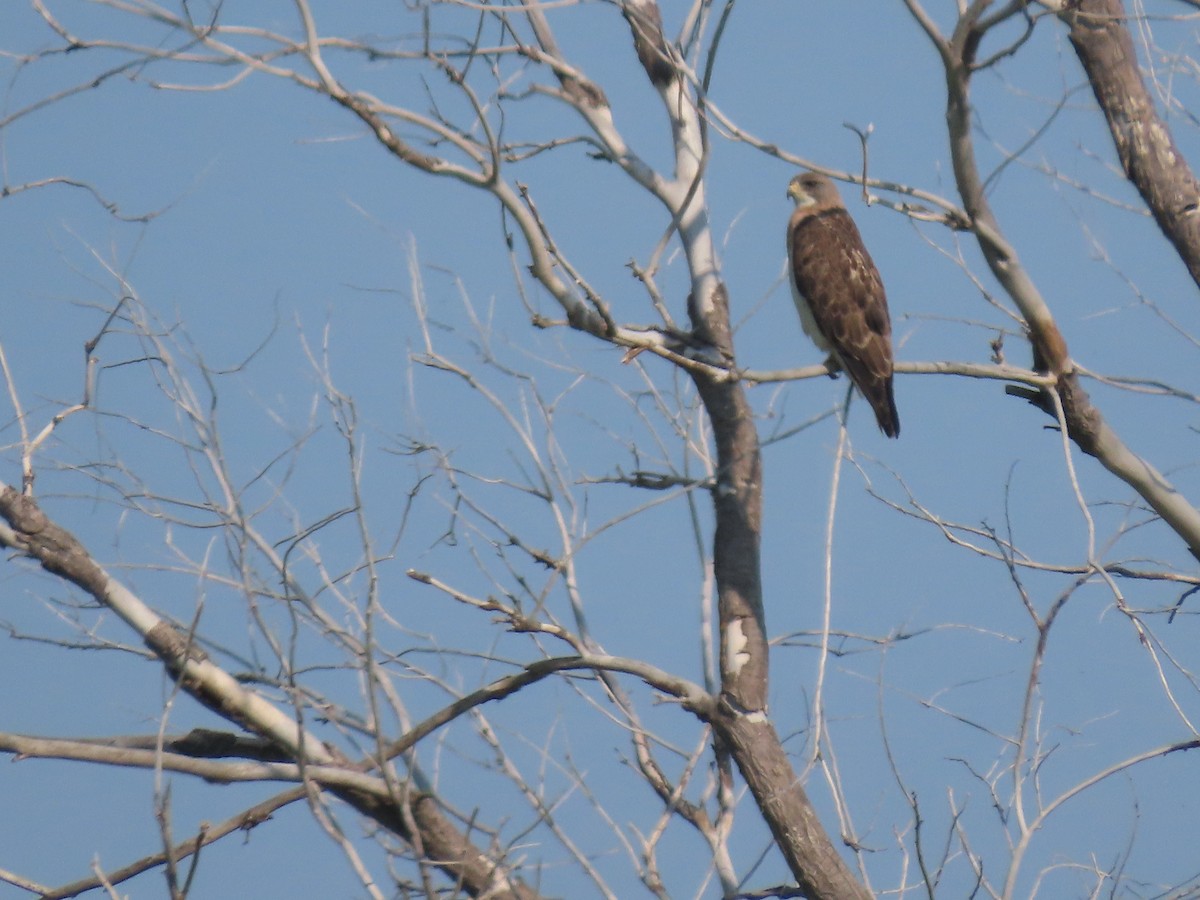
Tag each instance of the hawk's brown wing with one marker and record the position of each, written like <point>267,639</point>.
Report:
<point>836,277</point>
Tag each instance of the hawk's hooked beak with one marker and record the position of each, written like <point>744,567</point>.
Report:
<point>802,197</point>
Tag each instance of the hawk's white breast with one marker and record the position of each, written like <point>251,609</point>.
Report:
<point>807,321</point>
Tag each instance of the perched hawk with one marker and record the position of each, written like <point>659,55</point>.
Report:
<point>839,294</point>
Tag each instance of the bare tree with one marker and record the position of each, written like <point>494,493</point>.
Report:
<point>392,622</point>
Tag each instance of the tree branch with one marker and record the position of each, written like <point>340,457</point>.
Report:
<point>1143,140</point>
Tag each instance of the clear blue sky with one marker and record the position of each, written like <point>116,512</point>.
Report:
<point>277,211</point>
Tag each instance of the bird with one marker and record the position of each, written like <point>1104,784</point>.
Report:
<point>839,294</point>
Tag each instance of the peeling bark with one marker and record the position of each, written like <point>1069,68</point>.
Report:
<point>741,726</point>
<point>737,501</point>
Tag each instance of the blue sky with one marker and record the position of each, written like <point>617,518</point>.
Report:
<point>278,213</point>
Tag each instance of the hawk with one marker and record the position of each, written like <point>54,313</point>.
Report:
<point>839,294</point>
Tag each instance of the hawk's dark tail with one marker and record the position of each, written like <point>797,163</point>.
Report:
<point>883,401</point>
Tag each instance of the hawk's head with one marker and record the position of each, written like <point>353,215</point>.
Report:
<point>814,192</point>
